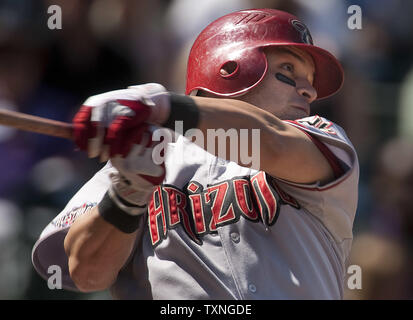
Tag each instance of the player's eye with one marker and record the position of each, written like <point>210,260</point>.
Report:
<point>288,67</point>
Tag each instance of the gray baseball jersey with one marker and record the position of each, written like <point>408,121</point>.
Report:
<point>217,230</point>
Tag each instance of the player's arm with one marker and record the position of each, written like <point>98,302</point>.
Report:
<point>96,251</point>
<point>285,151</point>
<point>100,242</point>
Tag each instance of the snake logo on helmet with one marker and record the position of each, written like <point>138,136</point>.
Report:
<point>237,40</point>
<point>305,33</point>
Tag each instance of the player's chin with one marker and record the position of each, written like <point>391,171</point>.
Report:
<point>294,113</point>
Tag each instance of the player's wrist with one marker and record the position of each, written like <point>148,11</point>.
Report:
<point>182,108</point>
<point>168,107</point>
<point>116,212</point>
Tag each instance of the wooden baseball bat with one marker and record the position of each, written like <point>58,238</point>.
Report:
<point>36,124</point>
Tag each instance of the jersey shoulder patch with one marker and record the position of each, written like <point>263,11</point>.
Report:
<point>67,218</point>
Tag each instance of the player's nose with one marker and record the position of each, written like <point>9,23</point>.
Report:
<point>305,89</point>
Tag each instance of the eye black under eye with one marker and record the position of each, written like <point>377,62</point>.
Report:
<point>285,79</point>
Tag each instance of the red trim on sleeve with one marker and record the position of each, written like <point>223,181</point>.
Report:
<point>295,122</point>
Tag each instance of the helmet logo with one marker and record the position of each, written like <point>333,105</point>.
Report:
<point>303,30</point>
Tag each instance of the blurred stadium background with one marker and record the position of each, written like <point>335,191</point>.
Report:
<point>109,44</point>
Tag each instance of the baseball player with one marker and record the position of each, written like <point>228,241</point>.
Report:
<point>202,226</point>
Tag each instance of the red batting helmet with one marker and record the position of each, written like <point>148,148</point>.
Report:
<point>238,39</point>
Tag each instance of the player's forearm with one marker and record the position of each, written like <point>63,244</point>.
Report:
<point>96,251</point>
<point>283,151</point>
<point>231,114</point>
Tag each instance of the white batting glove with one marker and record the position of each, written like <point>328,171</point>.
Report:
<point>104,126</point>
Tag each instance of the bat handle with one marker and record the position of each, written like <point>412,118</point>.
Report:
<point>36,124</point>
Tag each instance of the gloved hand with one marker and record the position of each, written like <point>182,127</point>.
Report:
<point>132,186</point>
<point>106,124</point>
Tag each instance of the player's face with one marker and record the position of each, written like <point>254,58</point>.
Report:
<point>286,90</point>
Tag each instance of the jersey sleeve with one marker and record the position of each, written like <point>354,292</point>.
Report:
<point>334,203</point>
<point>49,250</point>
